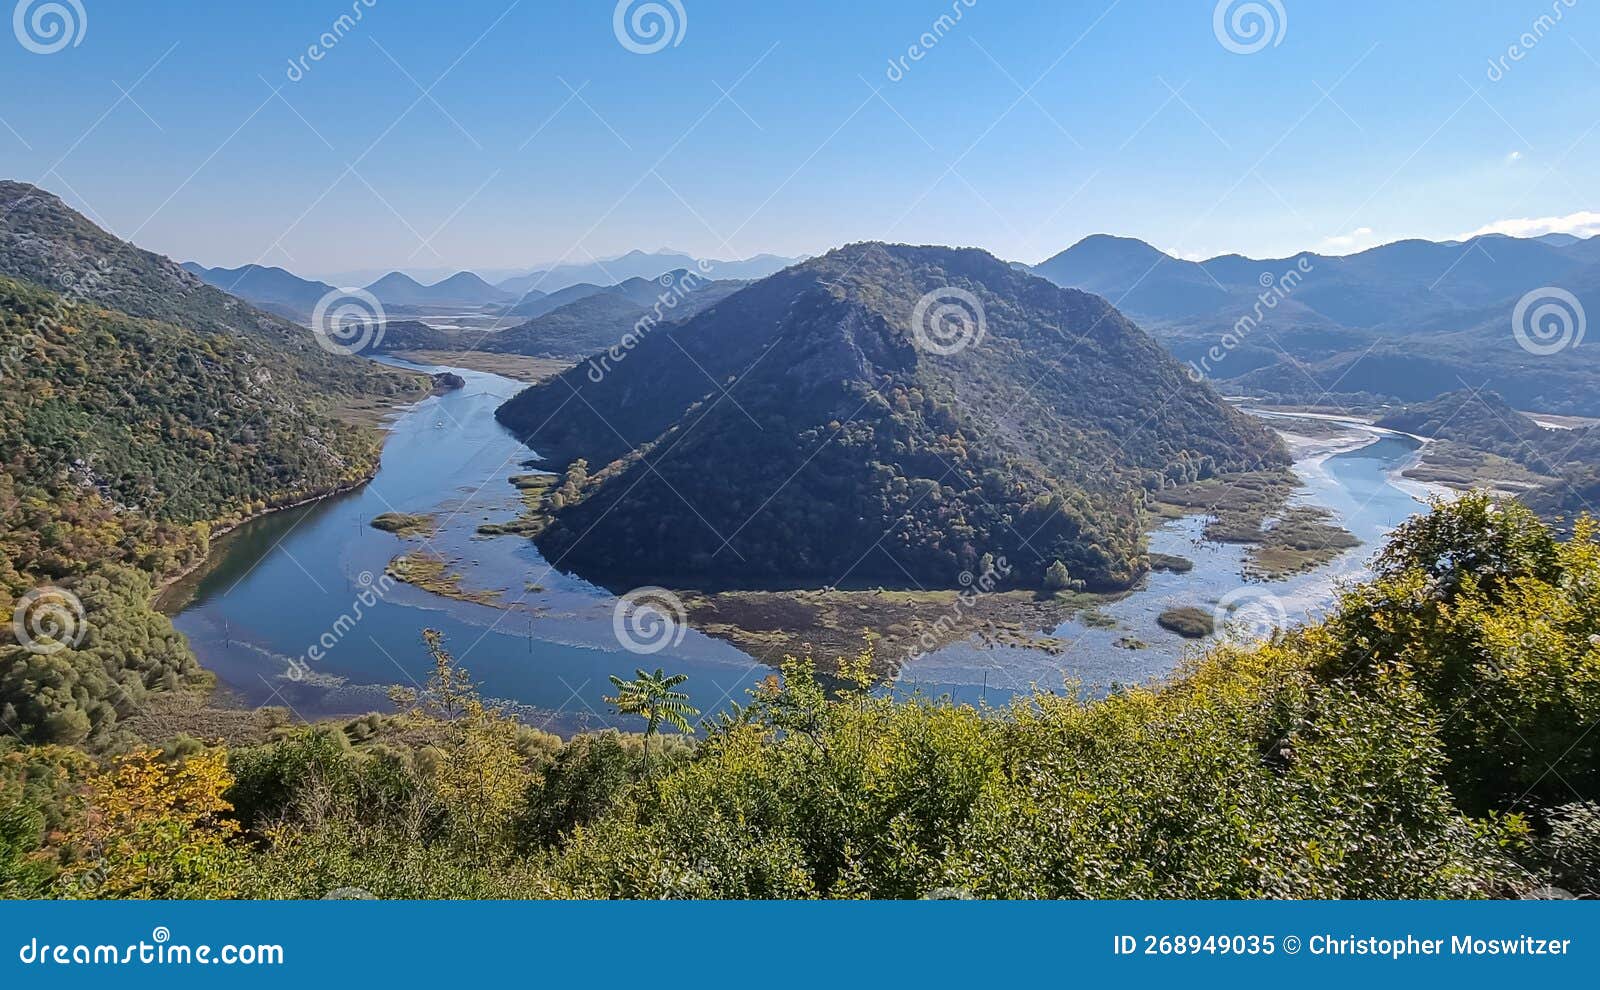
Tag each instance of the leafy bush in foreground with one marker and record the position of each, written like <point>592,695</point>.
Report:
<point>1431,739</point>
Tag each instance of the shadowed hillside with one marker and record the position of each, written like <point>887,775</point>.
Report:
<point>800,422</point>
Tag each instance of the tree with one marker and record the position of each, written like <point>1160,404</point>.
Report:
<point>1056,577</point>
<point>652,698</point>
<point>153,829</point>
<point>588,777</point>
<point>1478,537</point>
<point>1497,624</point>
<point>476,769</point>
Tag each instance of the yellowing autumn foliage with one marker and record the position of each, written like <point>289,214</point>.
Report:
<point>476,773</point>
<point>153,829</point>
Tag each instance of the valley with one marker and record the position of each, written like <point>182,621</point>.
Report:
<point>403,565</point>
<point>543,641</point>
<point>687,450</point>
<point>973,528</point>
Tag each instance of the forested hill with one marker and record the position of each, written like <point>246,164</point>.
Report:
<point>801,421</point>
<point>602,320</point>
<point>126,435</point>
<point>47,243</point>
<point>1483,421</point>
<point>176,425</point>
<point>1480,418</point>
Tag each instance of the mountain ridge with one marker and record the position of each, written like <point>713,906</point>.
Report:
<point>598,320</point>
<point>1294,328</point>
<point>642,264</point>
<point>461,289</point>
<point>809,389</point>
<point>275,290</point>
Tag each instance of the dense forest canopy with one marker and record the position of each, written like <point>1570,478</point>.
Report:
<point>127,437</point>
<point>796,430</point>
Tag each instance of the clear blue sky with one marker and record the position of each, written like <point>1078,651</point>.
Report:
<point>1360,126</point>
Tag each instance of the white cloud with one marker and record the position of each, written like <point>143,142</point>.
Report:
<point>1357,240</point>
<point>1585,223</point>
<point>1515,156</point>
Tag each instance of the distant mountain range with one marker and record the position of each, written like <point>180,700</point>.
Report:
<point>598,320</point>
<point>526,296</point>
<point>783,432</point>
<point>272,289</point>
<point>1406,321</point>
<point>294,297</point>
<point>575,324</point>
<point>641,264</point>
<point>460,289</point>
<point>534,303</point>
<point>1409,320</point>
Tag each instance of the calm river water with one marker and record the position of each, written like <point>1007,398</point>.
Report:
<point>287,581</point>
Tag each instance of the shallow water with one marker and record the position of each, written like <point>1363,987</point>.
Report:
<point>312,577</point>
<point>1360,487</point>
